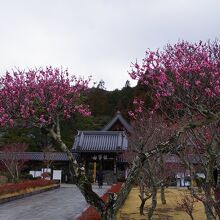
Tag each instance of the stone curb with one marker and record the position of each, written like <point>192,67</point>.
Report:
<point>12,198</point>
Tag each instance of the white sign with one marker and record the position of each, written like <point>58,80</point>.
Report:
<point>38,173</point>
<point>46,170</point>
<point>57,175</point>
<point>32,173</point>
<point>35,173</point>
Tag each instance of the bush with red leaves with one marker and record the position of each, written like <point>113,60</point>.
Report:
<point>90,213</point>
<point>16,187</point>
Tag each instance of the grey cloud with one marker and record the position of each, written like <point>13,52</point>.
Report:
<point>99,37</point>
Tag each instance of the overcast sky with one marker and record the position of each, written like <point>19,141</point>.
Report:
<point>98,37</point>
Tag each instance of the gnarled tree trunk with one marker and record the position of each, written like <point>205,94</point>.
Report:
<point>110,212</point>
<point>144,196</point>
<point>153,203</point>
<point>162,194</point>
<point>208,203</point>
<point>141,208</point>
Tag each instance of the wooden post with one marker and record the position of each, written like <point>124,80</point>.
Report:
<point>94,171</point>
<point>115,172</point>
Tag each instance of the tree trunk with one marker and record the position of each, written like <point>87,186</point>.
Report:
<point>141,196</point>
<point>209,212</point>
<point>109,214</point>
<point>153,204</point>
<point>17,172</point>
<point>141,208</point>
<point>208,203</point>
<point>10,170</point>
<point>162,194</point>
<point>191,216</point>
<point>217,209</point>
<point>132,177</point>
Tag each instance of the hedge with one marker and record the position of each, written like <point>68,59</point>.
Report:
<point>16,187</point>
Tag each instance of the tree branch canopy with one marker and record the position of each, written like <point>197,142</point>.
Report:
<point>184,79</point>
<point>39,96</point>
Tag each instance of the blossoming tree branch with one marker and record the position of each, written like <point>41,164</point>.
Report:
<point>42,98</point>
<point>183,81</point>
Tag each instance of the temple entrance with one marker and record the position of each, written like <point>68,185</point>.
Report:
<point>100,150</point>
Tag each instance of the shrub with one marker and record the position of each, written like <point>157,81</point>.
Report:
<point>187,204</point>
<point>16,187</point>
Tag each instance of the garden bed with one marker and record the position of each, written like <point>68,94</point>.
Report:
<point>12,191</point>
<point>90,213</point>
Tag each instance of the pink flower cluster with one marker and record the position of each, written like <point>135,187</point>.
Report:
<point>186,73</point>
<point>40,95</point>
<point>138,108</point>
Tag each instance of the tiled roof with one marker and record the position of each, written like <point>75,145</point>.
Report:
<point>118,117</point>
<point>100,141</point>
<point>40,156</point>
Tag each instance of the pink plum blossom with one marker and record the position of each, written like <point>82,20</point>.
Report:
<point>182,77</point>
<point>40,95</point>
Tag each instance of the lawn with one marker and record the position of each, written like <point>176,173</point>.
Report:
<point>130,209</point>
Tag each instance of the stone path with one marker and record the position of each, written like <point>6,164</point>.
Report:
<point>64,203</point>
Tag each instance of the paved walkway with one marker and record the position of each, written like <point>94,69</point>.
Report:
<point>64,203</point>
